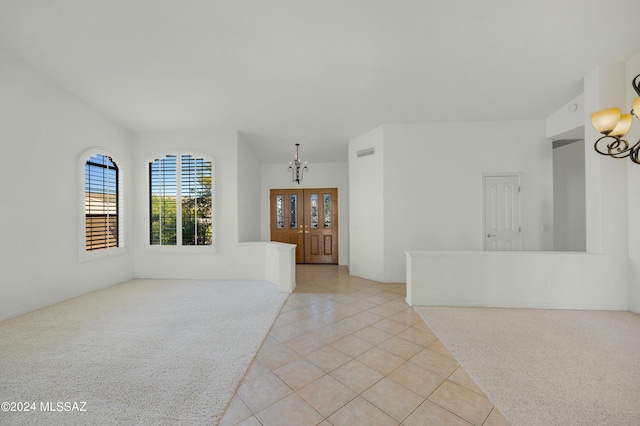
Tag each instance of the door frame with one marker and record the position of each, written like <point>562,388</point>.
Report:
<point>292,237</point>
<point>311,234</point>
<point>520,176</point>
<point>304,229</point>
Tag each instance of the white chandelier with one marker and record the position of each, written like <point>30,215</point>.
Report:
<point>296,168</point>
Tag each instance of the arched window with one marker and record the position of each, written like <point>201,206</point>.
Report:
<point>181,201</point>
<point>101,203</point>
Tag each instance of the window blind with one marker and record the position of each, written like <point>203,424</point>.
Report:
<point>163,192</point>
<point>196,201</point>
<point>101,203</point>
<point>181,208</point>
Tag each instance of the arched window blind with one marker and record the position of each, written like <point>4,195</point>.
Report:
<point>101,203</point>
<point>181,193</point>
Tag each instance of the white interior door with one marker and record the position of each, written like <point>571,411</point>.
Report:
<point>502,227</point>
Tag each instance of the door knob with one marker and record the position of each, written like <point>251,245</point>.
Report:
<point>491,235</point>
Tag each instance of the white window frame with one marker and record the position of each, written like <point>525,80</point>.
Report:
<point>85,255</point>
<point>179,248</point>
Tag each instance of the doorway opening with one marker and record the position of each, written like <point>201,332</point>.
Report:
<point>569,196</point>
<point>307,218</point>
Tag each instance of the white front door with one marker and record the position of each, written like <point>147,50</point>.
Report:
<point>502,227</point>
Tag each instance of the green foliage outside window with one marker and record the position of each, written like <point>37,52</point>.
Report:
<point>163,220</point>
<point>192,198</point>
<point>196,213</point>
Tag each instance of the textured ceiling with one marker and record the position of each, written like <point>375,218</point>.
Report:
<point>317,72</point>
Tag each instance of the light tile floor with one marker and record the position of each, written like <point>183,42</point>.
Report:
<point>349,351</point>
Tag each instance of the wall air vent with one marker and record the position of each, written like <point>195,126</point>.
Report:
<point>365,152</point>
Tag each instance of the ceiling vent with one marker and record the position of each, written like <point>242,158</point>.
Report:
<point>365,152</point>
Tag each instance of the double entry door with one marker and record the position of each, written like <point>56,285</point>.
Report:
<point>307,218</point>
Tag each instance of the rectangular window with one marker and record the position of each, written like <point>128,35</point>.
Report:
<point>101,203</point>
<point>181,201</point>
<point>196,201</point>
<point>162,177</point>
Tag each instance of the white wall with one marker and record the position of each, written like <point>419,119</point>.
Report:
<point>606,181</point>
<point>226,262</point>
<point>569,225</point>
<point>633,194</point>
<point>231,259</point>
<point>569,217</point>
<point>320,175</point>
<point>366,207</point>
<point>433,185</point>
<point>44,132</point>
<point>604,88</point>
<point>604,278</point>
<point>249,220</point>
<point>568,121</point>
<point>541,280</point>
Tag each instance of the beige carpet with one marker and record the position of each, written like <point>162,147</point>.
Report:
<point>548,367</point>
<point>145,352</point>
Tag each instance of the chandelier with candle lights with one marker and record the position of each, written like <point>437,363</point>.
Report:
<point>297,169</point>
<point>614,126</point>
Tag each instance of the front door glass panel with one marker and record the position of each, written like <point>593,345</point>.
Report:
<point>280,211</point>
<point>327,211</point>
<point>313,198</point>
<point>293,209</point>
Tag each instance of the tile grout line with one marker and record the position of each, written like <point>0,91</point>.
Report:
<point>395,305</point>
